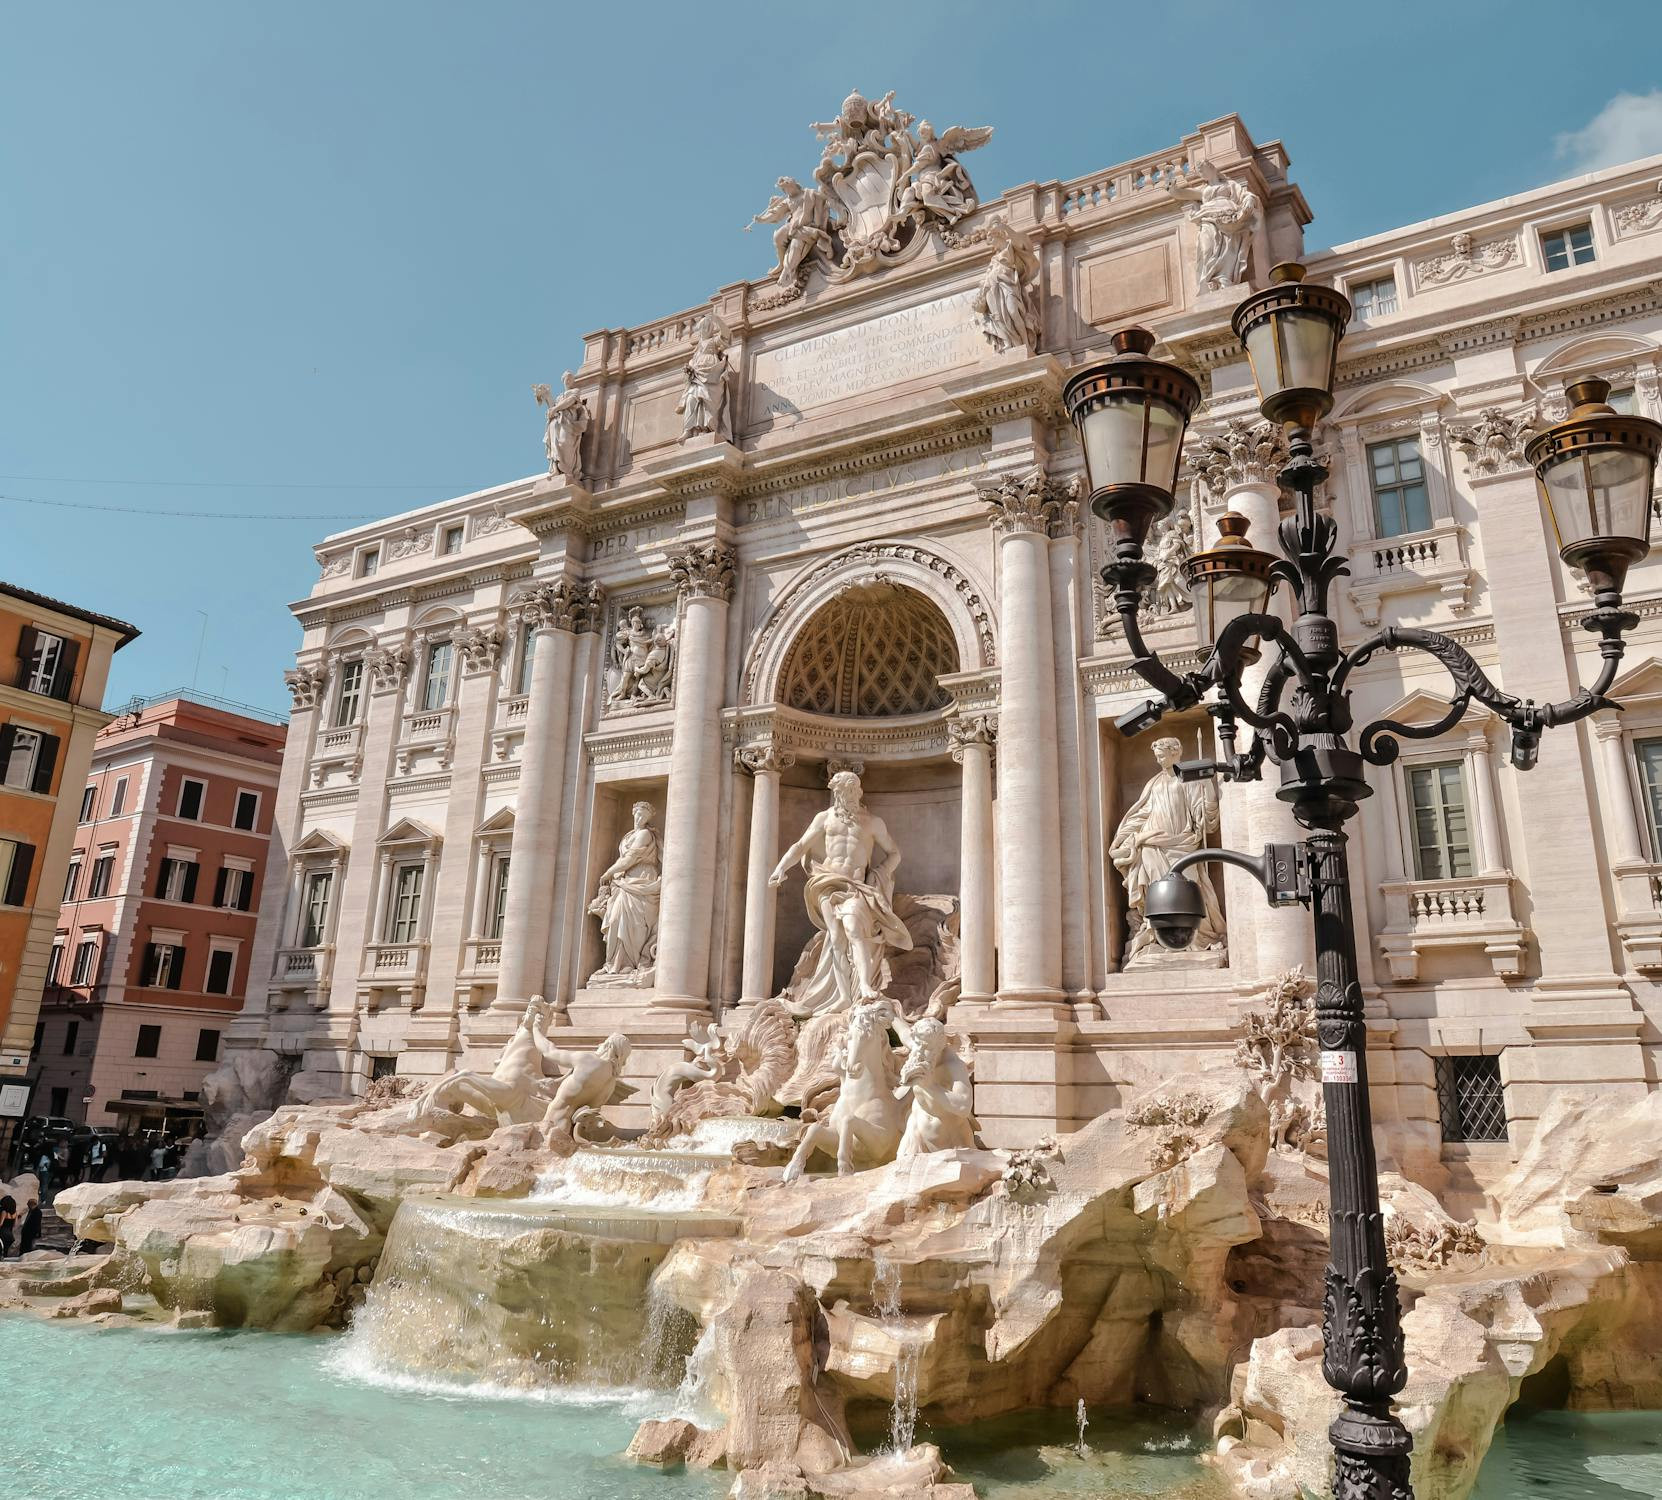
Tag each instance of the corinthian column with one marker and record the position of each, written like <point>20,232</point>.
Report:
<point>703,571</point>
<point>972,747</point>
<point>1239,464</point>
<point>556,612</point>
<point>761,900</point>
<point>1029,815</point>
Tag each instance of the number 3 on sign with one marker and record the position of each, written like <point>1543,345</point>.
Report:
<point>1338,1067</point>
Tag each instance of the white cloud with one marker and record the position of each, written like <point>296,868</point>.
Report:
<point>1629,126</point>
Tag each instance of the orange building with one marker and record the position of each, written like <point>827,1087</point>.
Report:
<point>54,663</point>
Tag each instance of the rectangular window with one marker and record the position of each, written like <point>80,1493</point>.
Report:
<point>1374,299</point>
<point>452,540</point>
<point>1649,753</point>
<point>404,912</point>
<point>221,962</point>
<point>89,803</point>
<point>119,804</point>
<point>103,871</point>
<point>235,889</point>
<point>60,1100</point>
<point>1442,835</point>
<point>1471,1099</point>
<point>314,914</point>
<point>164,966</point>
<point>498,897</point>
<point>54,964</point>
<point>177,880</point>
<point>207,1045</point>
<point>368,561</point>
<point>1400,501</point>
<point>1570,246</point>
<point>70,1033</point>
<point>248,810</point>
<point>436,693</point>
<point>149,1041</point>
<point>24,763</point>
<point>191,793</point>
<point>349,695</point>
<point>72,879</point>
<point>17,859</point>
<point>382,1066</point>
<point>86,962</point>
<point>47,663</point>
<point>526,652</point>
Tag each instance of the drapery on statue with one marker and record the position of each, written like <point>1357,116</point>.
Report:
<point>627,905</point>
<point>1225,214</point>
<point>1170,546</point>
<point>804,233</point>
<point>1171,818</point>
<point>568,420</point>
<point>935,180</point>
<point>642,661</point>
<point>1006,300</point>
<point>850,899</point>
<point>706,403</point>
<point>941,1094</point>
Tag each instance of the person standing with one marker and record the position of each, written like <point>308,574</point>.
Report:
<point>43,1171</point>
<point>31,1228</point>
<point>8,1224</point>
<point>98,1156</point>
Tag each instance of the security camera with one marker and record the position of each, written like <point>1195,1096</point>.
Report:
<point>1173,907</point>
<point>1145,715</point>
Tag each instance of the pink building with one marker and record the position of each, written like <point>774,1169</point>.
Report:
<point>150,957</point>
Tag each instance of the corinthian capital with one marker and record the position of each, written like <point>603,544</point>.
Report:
<point>388,666</point>
<point>703,570</point>
<point>562,604</point>
<point>1030,502</point>
<point>305,685</point>
<point>964,734</point>
<point>759,759</point>
<point>1243,451</point>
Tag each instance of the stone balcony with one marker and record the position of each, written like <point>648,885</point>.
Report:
<point>427,732</point>
<point>342,747</point>
<point>393,974</point>
<point>1639,913</point>
<point>1423,916</point>
<point>510,727</point>
<point>1420,562</point>
<point>303,970</point>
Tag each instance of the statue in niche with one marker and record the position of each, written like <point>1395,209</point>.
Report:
<point>850,899</point>
<point>804,233</point>
<point>1170,819</point>
<point>568,420</point>
<point>1006,300</point>
<point>706,403</point>
<point>592,1080</point>
<point>1172,545</point>
<point>1225,214</point>
<point>937,1081</point>
<point>627,905</point>
<point>642,661</point>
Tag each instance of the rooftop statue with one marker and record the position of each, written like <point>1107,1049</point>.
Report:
<point>706,404</point>
<point>568,420</point>
<point>1225,213</point>
<point>1006,301</point>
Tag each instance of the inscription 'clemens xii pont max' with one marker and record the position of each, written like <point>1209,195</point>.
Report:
<point>897,346</point>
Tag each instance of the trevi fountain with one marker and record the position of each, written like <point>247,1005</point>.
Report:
<point>803,1108</point>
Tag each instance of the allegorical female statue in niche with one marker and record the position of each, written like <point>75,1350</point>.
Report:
<point>627,905</point>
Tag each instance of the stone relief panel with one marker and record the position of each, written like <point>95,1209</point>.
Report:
<point>1641,217</point>
<point>640,664</point>
<point>1466,259</point>
<point>1114,287</point>
<point>1494,442</point>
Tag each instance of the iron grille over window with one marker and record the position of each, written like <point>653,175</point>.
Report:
<point>1471,1098</point>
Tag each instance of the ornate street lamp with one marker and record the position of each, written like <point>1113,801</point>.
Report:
<point>1595,471</point>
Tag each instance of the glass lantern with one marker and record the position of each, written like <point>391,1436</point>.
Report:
<point>1229,580</point>
<point>1291,331</point>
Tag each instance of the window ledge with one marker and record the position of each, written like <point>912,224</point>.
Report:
<point>1382,567</point>
<point>1426,915</point>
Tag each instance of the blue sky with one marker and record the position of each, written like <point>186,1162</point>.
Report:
<point>309,259</point>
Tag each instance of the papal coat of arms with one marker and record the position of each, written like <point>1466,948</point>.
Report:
<point>879,186</point>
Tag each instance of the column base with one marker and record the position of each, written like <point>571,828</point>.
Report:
<point>1025,1002</point>
<point>686,1004</point>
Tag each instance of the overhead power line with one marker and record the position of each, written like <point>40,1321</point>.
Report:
<point>191,515</point>
<point>229,484</point>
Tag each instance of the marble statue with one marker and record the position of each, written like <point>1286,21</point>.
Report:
<point>568,420</point>
<point>627,905</point>
<point>514,1092</point>
<point>592,1080</point>
<point>706,403</point>
<point>643,661</point>
<point>935,1083</point>
<point>1171,545</point>
<point>1225,214</point>
<point>1169,819</point>
<point>865,1125</point>
<point>935,182</point>
<point>1006,300</point>
<point>707,1061</point>
<point>850,898</point>
<point>1278,1051</point>
<point>803,237</point>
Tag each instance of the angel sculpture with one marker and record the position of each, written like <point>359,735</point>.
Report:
<point>935,181</point>
<point>568,420</point>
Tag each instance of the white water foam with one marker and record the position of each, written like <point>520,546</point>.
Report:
<point>903,1413</point>
<point>593,1179</point>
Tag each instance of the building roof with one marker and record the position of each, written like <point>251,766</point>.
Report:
<point>46,601</point>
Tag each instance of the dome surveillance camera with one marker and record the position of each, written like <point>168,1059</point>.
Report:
<point>1174,907</point>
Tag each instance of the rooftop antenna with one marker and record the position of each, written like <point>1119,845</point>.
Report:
<point>201,641</point>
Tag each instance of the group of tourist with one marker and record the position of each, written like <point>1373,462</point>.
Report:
<point>19,1231</point>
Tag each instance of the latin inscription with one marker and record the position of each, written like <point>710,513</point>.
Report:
<point>898,346</point>
<point>852,489</point>
<point>627,543</point>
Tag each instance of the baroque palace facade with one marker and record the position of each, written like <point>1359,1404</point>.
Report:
<point>552,737</point>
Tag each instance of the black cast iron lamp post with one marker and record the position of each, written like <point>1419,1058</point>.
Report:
<point>1595,474</point>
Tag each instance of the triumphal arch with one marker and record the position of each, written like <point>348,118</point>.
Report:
<point>555,737</point>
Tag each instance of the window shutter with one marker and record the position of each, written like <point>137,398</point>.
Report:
<point>178,969</point>
<point>219,885</point>
<point>45,762</point>
<point>149,963</point>
<point>25,653</point>
<point>64,678</point>
<point>161,879</point>
<point>7,734</point>
<point>245,895</point>
<point>17,887</point>
<point>189,892</point>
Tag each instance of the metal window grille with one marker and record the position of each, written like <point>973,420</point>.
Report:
<point>1471,1099</point>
